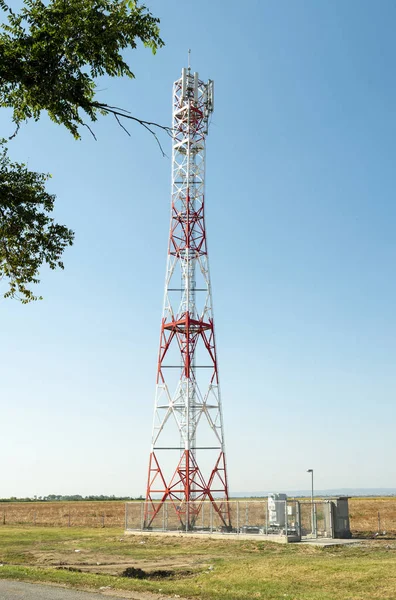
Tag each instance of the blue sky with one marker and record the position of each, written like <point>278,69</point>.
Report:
<point>301,222</point>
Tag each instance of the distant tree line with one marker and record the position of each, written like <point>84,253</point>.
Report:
<point>73,498</point>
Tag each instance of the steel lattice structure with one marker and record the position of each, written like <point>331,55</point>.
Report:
<point>187,390</point>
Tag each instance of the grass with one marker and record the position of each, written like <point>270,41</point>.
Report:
<point>63,514</point>
<point>222,569</point>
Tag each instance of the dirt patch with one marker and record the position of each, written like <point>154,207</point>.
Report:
<point>136,573</point>
<point>105,564</point>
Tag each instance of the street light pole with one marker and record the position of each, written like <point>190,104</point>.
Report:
<point>312,504</point>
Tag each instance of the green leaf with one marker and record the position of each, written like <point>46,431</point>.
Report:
<point>29,237</point>
<point>51,55</point>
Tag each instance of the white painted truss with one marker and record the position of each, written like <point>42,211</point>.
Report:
<point>187,391</point>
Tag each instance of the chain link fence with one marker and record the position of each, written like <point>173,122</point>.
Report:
<point>63,514</point>
<point>316,519</point>
<point>369,517</point>
<point>278,517</point>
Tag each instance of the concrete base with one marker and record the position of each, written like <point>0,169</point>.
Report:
<point>259,537</point>
<point>324,542</point>
<point>278,539</point>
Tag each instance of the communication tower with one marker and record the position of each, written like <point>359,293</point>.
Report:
<point>187,461</point>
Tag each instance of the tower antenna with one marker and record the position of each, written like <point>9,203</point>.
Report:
<point>187,464</point>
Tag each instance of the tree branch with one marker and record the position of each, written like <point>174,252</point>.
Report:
<point>122,112</point>
<point>88,127</point>
<point>121,125</point>
<point>15,132</point>
<point>149,125</point>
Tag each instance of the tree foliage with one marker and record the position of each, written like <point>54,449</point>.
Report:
<point>50,57</point>
<point>51,54</point>
<point>29,236</point>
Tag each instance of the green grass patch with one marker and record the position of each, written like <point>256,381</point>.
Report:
<point>221,569</point>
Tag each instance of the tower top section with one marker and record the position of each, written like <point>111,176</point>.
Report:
<point>191,93</point>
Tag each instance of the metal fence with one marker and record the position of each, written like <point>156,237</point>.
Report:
<point>54,514</point>
<point>370,517</point>
<point>253,517</point>
<point>316,519</point>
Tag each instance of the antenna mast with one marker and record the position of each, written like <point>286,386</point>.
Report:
<point>187,461</point>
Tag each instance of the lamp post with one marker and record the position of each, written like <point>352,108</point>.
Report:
<point>312,504</point>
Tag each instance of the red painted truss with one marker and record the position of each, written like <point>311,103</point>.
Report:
<point>187,391</point>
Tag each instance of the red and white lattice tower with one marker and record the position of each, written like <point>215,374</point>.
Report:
<point>187,461</point>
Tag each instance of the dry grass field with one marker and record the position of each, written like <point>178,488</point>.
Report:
<point>63,514</point>
<point>363,514</point>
